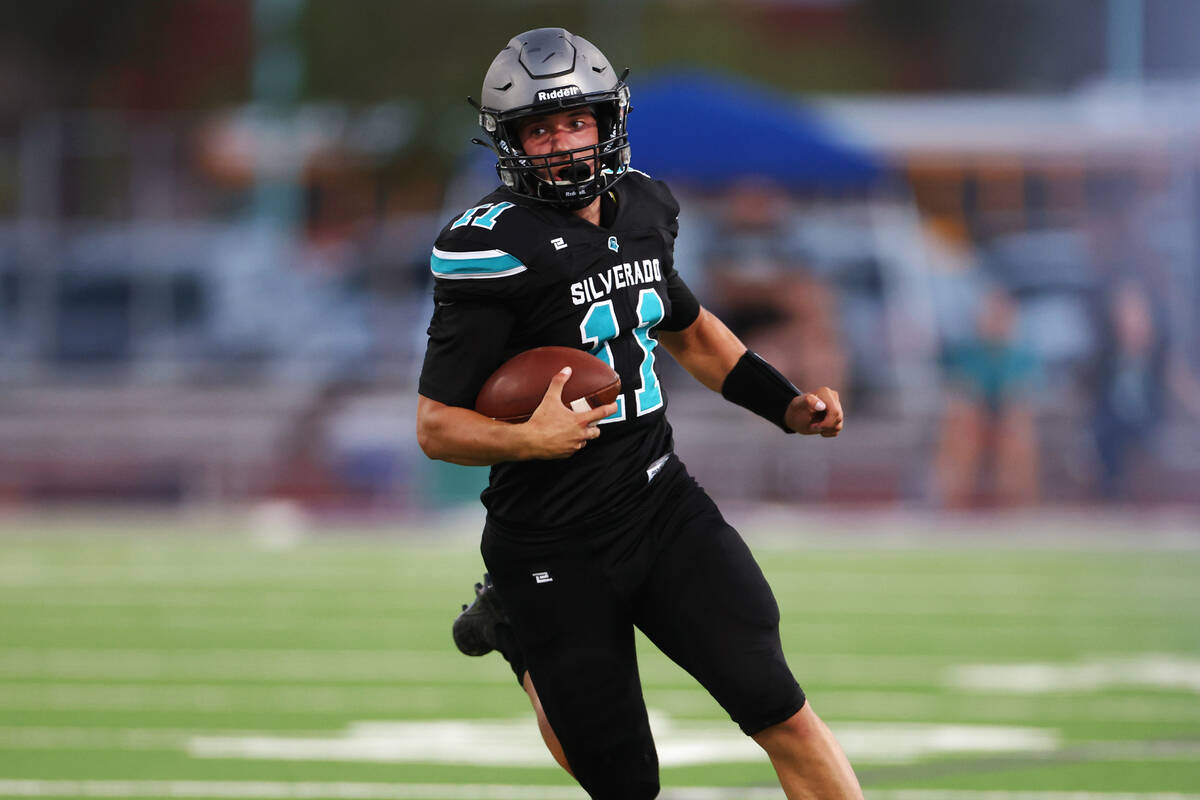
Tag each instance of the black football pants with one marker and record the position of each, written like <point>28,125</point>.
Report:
<point>672,566</point>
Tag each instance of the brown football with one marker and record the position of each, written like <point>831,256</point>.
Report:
<point>513,392</point>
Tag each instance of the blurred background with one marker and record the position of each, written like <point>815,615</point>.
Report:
<point>226,569</point>
<point>978,221</point>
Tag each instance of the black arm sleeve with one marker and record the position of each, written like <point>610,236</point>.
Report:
<point>756,386</point>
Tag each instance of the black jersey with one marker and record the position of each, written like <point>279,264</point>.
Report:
<point>512,274</point>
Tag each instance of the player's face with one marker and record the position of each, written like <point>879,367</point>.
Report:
<point>557,133</point>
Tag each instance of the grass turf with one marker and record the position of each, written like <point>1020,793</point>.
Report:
<point>119,650</point>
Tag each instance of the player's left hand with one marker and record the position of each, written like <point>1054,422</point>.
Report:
<point>815,412</point>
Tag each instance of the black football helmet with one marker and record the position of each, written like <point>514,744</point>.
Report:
<point>548,70</point>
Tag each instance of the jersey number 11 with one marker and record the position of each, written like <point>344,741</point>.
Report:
<point>600,326</point>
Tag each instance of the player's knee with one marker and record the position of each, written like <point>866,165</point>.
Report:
<point>800,728</point>
<point>772,700</point>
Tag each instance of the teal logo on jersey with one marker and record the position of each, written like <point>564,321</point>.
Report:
<point>612,244</point>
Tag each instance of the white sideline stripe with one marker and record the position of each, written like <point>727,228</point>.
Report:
<point>303,576</point>
<point>310,790</point>
<point>44,738</point>
<point>218,623</point>
<point>217,698</point>
<point>852,734</point>
<point>514,742</point>
<point>338,577</point>
<point>1013,628</point>
<point>901,705</point>
<point>1154,670</point>
<point>229,570</point>
<point>88,608</point>
<point>325,666</point>
<point>432,697</point>
<point>372,601</point>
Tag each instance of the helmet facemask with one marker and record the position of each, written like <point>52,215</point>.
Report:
<point>570,179</point>
<point>548,71</point>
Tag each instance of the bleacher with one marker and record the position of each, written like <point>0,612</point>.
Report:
<point>175,444</point>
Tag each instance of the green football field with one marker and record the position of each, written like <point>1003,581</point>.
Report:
<point>163,661</point>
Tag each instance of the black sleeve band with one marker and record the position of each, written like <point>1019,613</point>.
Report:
<point>755,385</point>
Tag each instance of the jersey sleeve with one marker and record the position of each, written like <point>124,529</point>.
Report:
<point>466,341</point>
<point>465,271</point>
<point>486,253</point>
<point>668,208</point>
<point>685,308</point>
<point>477,282</point>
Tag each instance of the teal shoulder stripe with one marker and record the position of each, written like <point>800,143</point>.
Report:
<point>476,264</point>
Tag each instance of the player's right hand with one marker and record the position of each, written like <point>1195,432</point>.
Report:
<point>555,431</point>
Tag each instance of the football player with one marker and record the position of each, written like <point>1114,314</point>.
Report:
<point>593,523</point>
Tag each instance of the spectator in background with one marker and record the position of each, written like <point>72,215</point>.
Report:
<point>1130,382</point>
<point>988,449</point>
<point>762,289</point>
<point>1139,376</point>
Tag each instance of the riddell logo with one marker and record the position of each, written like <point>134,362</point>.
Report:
<point>558,94</point>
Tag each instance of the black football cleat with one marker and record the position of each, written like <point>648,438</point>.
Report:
<point>474,629</point>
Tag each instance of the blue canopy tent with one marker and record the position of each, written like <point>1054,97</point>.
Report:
<point>708,130</point>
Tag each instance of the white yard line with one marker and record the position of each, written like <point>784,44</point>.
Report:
<point>794,627</point>
<point>218,698</point>
<point>350,666</point>
<point>856,736</point>
<point>324,666</point>
<point>365,600</point>
<point>68,738</point>
<point>373,601</point>
<point>272,575</point>
<point>189,577</point>
<point>404,700</point>
<point>515,742</point>
<point>1152,670</point>
<point>182,666</point>
<point>217,624</point>
<point>927,706</point>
